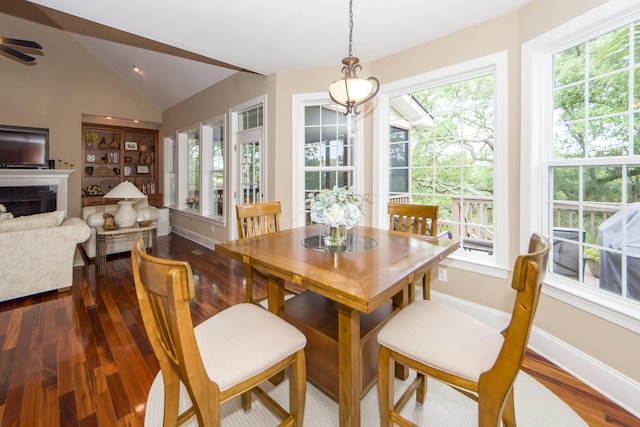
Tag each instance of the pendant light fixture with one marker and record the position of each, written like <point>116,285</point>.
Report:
<point>351,91</point>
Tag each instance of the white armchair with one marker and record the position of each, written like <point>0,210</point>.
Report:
<point>36,253</point>
<point>93,216</point>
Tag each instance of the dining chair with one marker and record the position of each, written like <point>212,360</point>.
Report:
<point>256,219</point>
<point>418,219</point>
<point>227,355</point>
<point>449,345</point>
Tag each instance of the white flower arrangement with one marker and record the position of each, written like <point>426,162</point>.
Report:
<point>336,207</point>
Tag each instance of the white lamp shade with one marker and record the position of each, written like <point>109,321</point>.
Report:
<point>125,190</point>
<point>358,90</point>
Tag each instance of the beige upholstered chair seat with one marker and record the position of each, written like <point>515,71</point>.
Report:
<point>253,331</point>
<point>423,331</point>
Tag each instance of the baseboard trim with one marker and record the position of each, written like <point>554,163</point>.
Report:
<point>193,236</point>
<point>617,387</point>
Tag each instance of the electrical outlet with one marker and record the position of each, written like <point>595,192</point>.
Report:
<point>442,274</point>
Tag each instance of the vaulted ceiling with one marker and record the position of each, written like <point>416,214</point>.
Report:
<point>185,47</point>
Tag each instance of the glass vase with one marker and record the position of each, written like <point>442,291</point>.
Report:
<point>336,238</point>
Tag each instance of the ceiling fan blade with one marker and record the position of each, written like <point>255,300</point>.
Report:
<point>18,42</point>
<point>16,53</point>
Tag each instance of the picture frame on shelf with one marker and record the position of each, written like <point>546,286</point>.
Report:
<point>91,158</point>
<point>142,169</point>
<point>128,171</point>
<point>130,145</point>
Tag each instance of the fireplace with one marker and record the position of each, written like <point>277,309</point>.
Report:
<point>29,199</point>
<point>30,191</point>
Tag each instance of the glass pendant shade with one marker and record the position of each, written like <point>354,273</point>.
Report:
<point>353,90</point>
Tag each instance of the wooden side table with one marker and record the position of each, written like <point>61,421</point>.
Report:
<point>148,233</point>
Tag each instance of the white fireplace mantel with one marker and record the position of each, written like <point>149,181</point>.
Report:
<point>33,177</point>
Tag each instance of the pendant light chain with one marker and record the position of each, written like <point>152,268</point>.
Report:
<point>350,28</point>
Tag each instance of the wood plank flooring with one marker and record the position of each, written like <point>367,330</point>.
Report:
<point>81,358</point>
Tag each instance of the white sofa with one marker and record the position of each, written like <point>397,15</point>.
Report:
<point>93,216</point>
<point>37,252</point>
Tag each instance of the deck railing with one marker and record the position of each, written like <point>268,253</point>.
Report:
<point>471,217</point>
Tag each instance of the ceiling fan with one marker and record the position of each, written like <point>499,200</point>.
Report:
<point>6,43</point>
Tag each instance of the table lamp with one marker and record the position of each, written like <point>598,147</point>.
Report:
<point>126,216</point>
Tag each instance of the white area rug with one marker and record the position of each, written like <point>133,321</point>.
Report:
<point>535,406</point>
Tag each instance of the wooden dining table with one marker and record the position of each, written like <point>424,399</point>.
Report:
<point>353,293</point>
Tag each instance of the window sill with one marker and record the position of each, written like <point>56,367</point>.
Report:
<point>475,264</point>
<point>196,215</point>
<point>591,300</point>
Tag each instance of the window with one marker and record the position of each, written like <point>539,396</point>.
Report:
<point>200,164</point>
<point>589,156</point>
<point>193,170</point>
<point>327,150</point>
<point>442,148</point>
<point>216,173</point>
<point>170,171</point>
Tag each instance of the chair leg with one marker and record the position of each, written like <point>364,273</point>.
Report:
<point>171,399</point>
<point>421,392</point>
<point>248,275</point>
<point>385,384</point>
<point>245,401</point>
<point>426,286</point>
<point>509,411</point>
<point>297,388</point>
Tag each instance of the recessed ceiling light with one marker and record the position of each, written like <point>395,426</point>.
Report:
<point>136,121</point>
<point>109,117</point>
<point>136,69</point>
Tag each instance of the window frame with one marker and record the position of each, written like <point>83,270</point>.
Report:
<point>299,102</point>
<point>536,158</point>
<point>498,266</point>
<point>178,157</point>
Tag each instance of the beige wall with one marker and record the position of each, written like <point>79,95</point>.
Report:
<point>65,83</point>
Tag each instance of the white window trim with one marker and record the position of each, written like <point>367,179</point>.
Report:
<point>536,129</point>
<point>206,152</point>
<point>498,62</point>
<point>234,162</point>
<point>170,152</point>
<point>298,103</point>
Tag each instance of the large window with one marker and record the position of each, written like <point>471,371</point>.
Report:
<point>328,150</point>
<point>196,168</point>
<point>441,152</point>
<point>442,148</point>
<point>589,155</point>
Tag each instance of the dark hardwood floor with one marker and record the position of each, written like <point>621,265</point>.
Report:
<point>81,358</point>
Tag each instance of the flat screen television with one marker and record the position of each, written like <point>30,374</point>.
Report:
<point>23,147</point>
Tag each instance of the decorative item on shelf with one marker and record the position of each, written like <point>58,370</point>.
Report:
<point>116,171</point>
<point>351,91</point>
<point>126,216</point>
<point>93,190</point>
<point>114,143</point>
<point>130,145</point>
<point>90,138</point>
<point>143,147</point>
<point>103,171</point>
<point>91,158</point>
<point>109,222</point>
<point>128,159</point>
<point>88,170</point>
<point>103,143</point>
<point>142,169</point>
<point>339,209</point>
<point>107,185</point>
